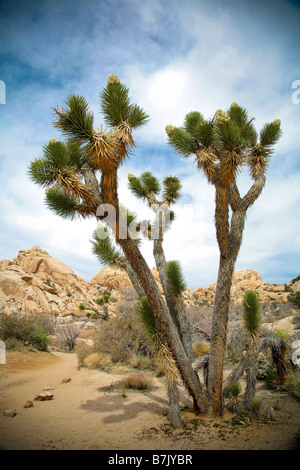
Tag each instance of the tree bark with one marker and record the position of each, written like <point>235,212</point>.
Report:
<point>219,334</point>
<point>176,309</point>
<point>174,407</point>
<point>251,370</point>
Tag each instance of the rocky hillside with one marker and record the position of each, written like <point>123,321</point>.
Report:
<point>34,282</point>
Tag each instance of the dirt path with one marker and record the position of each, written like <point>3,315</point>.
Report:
<point>90,412</point>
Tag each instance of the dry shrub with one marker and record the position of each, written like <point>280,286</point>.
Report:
<point>160,370</point>
<point>93,360</point>
<point>138,381</point>
<point>293,384</point>
<point>122,338</point>
<point>201,348</point>
<point>82,351</point>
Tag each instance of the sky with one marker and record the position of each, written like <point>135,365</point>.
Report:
<point>176,56</point>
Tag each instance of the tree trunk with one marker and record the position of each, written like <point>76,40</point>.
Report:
<point>219,334</point>
<point>160,310</point>
<point>174,407</point>
<point>251,370</point>
<point>229,244</point>
<point>176,309</point>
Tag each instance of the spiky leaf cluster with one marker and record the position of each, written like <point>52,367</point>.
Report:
<point>224,144</point>
<point>148,187</point>
<point>63,168</point>
<point>156,340</point>
<point>175,279</point>
<point>144,185</point>
<point>117,108</point>
<point>60,170</point>
<point>252,317</point>
<point>76,121</point>
<point>104,249</point>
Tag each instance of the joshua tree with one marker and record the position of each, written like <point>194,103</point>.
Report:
<point>147,187</point>
<point>222,146</point>
<point>252,321</point>
<point>73,189</point>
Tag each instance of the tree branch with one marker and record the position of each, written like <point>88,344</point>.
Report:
<point>253,192</point>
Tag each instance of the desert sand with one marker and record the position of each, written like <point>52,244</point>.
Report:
<point>90,412</point>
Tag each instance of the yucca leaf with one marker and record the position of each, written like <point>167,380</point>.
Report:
<point>238,115</point>
<point>175,279</point>
<point>61,204</point>
<point>150,182</point>
<point>137,188</point>
<point>182,142</point>
<point>40,173</point>
<point>204,133</point>
<point>149,323</point>
<point>76,121</point>
<point>191,121</point>
<point>171,188</point>
<point>229,136</point>
<point>252,318</point>
<point>137,117</point>
<point>115,103</point>
<point>103,248</point>
<point>270,134</point>
<point>56,155</point>
<point>78,156</point>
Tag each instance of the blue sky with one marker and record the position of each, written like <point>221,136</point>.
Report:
<point>175,56</point>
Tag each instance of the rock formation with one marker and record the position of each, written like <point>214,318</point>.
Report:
<point>34,283</point>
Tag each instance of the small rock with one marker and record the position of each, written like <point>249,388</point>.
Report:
<point>47,388</point>
<point>44,396</point>
<point>10,413</point>
<point>270,413</point>
<point>28,404</point>
<point>66,380</point>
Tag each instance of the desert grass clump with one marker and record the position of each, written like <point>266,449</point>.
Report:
<point>201,348</point>
<point>138,381</point>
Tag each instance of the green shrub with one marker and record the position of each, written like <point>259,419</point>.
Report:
<point>294,298</point>
<point>255,407</point>
<point>24,330</point>
<point>282,334</point>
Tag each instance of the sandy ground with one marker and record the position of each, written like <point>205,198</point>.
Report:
<point>90,413</point>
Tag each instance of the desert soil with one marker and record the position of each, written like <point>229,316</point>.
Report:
<point>90,412</point>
